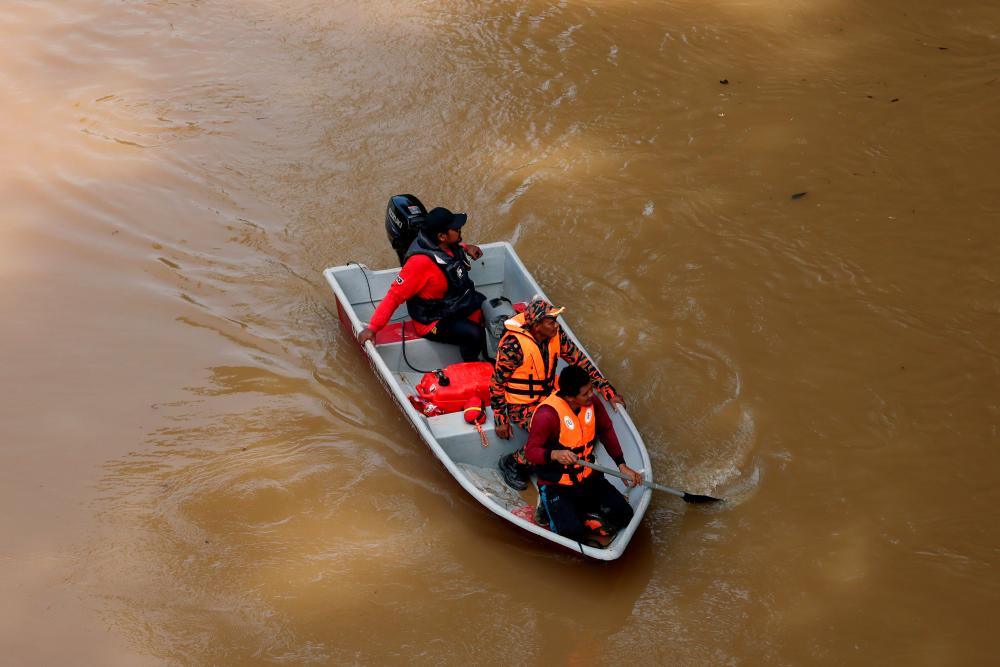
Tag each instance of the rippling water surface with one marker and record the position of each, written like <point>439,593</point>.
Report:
<point>197,467</point>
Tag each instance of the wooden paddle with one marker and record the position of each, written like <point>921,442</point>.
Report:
<point>687,497</point>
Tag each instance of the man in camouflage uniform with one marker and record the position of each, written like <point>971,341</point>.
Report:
<point>539,320</point>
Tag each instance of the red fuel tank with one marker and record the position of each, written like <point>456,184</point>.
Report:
<point>465,380</point>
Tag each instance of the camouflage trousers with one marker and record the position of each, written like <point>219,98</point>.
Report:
<point>520,415</point>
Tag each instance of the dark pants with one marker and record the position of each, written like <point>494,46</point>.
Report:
<point>568,505</point>
<point>468,335</point>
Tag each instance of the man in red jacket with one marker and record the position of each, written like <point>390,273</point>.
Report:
<point>435,285</point>
<point>564,428</point>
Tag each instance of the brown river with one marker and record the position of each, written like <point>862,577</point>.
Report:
<point>197,467</point>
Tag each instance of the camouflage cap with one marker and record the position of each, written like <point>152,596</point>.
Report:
<point>539,309</point>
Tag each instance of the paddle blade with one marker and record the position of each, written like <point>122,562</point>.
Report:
<point>695,498</point>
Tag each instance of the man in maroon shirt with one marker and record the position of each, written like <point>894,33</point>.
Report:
<point>564,428</point>
<point>435,285</point>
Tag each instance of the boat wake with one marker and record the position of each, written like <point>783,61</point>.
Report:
<point>727,470</point>
<point>743,487</point>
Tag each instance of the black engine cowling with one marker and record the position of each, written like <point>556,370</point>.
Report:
<point>403,217</point>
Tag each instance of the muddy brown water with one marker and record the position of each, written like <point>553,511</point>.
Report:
<point>197,467</point>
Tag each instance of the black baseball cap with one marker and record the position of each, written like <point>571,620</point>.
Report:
<point>440,220</point>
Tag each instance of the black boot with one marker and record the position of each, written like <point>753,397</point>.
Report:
<point>514,474</point>
<point>541,515</point>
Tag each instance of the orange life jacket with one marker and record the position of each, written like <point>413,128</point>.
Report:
<point>577,433</point>
<point>535,378</point>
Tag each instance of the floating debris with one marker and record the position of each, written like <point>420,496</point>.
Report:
<point>724,82</point>
<point>799,195</point>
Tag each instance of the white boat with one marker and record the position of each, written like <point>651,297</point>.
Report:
<point>455,443</point>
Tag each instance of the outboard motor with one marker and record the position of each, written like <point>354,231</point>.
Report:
<point>403,217</point>
<point>495,312</point>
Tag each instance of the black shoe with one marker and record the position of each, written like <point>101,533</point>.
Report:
<point>541,516</point>
<point>514,474</point>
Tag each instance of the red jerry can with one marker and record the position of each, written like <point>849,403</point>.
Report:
<point>464,381</point>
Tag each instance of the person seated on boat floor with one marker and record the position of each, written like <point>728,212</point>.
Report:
<point>434,282</point>
<point>525,373</point>
<point>565,427</point>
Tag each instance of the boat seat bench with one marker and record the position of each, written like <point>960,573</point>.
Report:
<point>453,424</point>
<point>397,331</point>
<point>394,333</point>
<point>460,439</point>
